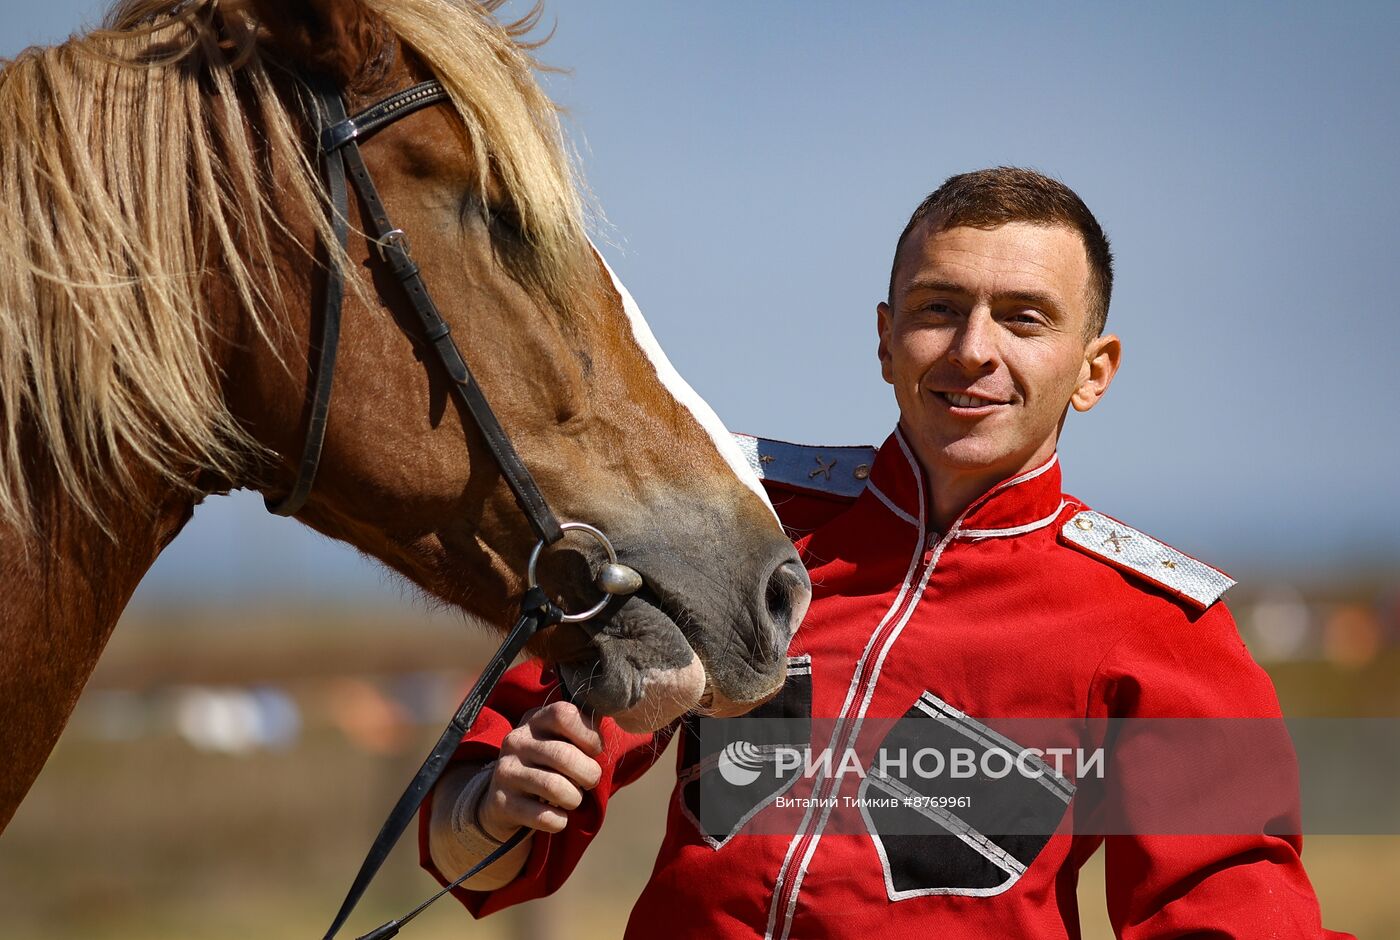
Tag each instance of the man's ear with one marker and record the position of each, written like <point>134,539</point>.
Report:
<point>884,322</point>
<point>340,39</point>
<point>1101,358</point>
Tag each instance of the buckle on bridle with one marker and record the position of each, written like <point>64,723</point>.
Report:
<point>394,237</point>
<point>338,135</point>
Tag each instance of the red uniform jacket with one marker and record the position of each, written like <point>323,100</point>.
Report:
<point>1031,607</point>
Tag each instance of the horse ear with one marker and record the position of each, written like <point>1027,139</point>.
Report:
<point>338,38</point>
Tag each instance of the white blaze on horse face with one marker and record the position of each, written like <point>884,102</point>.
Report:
<point>682,392</point>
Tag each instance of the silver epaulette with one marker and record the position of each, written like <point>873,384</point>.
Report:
<point>1126,547</point>
<point>838,470</point>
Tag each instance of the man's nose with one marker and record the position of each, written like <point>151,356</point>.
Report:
<point>974,346</point>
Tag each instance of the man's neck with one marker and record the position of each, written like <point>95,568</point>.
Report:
<point>951,490</point>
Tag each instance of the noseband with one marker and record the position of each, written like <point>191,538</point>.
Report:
<point>340,152</point>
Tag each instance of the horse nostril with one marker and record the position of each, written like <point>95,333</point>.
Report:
<point>786,596</point>
<point>779,601</point>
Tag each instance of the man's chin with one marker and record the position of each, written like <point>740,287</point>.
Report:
<point>970,457</point>
<point>970,453</point>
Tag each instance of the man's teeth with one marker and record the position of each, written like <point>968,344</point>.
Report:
<point>967,401</point>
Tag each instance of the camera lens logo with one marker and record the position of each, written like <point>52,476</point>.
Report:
<point>739,763</point>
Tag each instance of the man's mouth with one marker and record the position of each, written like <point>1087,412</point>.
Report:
<point>966,400</point>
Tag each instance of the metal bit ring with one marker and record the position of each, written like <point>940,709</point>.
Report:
<point>608,580</point>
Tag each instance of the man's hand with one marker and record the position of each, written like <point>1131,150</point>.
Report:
<point>545,765</point>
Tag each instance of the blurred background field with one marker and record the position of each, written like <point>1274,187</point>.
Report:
<point>226,769</point>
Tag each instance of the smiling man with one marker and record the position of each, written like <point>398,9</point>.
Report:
<point>967,616</point>
<point>998,295</point>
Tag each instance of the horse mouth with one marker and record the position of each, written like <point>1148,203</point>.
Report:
<point>713,704</point>
<point>640,666</point>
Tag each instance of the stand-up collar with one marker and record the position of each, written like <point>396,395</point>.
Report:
<point>1022,503</point>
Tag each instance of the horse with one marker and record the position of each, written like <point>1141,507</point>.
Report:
<point>166,240</point>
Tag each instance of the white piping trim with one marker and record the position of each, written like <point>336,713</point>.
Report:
<point>955,720</point>
<point>801,873</point>
<point>797,666</point>
<point>694,777</point>
<point>838,730</point>
<point>889,643</point>
<point>954,829</point>
<point>954,823</point>
<point>782,869</point>
<point>1029,475</point>
<point>1013,530</point>
<point>682,392</point>
<point>889,504</point>
<point>875,673</point>
<point>859,718</point>
<point>913,462</point>
<point>767,752</point>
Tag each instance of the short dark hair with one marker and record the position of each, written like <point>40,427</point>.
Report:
<point>992,197</point>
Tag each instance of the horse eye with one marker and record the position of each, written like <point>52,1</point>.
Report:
<point>505,220</point>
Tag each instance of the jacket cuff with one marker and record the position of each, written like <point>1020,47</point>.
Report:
<point>465,819</point>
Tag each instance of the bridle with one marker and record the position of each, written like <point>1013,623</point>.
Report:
<point>339,148</point>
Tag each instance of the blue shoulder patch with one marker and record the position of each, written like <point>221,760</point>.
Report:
<point>840,470</point>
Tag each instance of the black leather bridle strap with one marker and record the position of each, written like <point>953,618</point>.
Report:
<point>340,154</point>
<point>391,928</point>
<point>340,151</point>
<point>394,249</point>
<point>332,112</point>
<point>537,612</point>
<point>342,130</point>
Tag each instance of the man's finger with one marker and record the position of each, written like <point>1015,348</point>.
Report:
<point>549,786</point>
<point>564,720</point>
<point>510,811</point>
<point>561,757</point>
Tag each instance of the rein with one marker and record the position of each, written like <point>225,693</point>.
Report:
<point>340,154</point>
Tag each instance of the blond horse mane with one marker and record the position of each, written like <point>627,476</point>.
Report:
<point>127,181</point>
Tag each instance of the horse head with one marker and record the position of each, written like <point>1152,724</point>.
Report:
<point>165,242</point>
<point>614,437</point>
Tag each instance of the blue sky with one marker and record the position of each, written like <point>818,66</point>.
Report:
<point>757,160</point>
